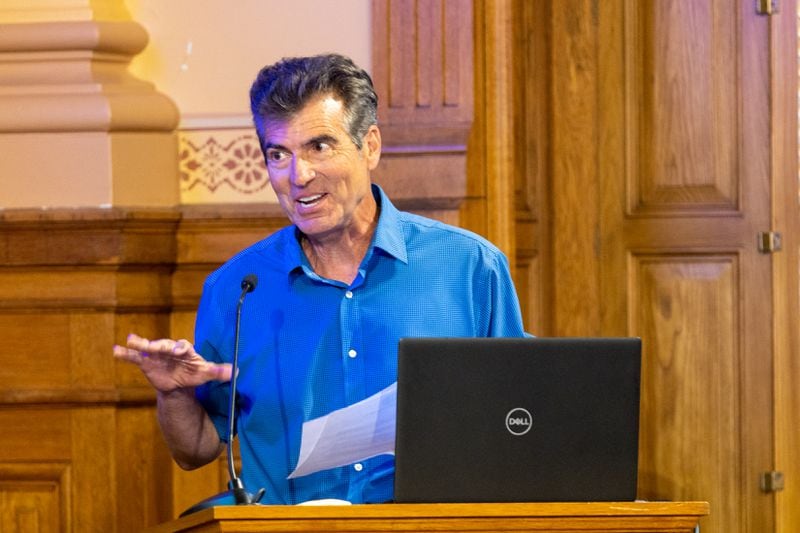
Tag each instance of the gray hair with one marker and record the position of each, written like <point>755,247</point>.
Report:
<point>282,89</point>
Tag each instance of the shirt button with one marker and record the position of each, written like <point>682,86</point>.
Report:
<point>352,353</point>
<point>358,467</point>
<point>348,294</point>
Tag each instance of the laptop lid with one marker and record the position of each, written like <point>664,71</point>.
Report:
<point>522,419</point>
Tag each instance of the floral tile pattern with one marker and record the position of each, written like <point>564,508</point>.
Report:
<point>222,166</point>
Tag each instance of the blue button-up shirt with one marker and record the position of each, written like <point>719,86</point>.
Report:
<point>311,345</point>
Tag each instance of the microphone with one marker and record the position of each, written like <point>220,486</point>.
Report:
<point>237,494</point>
<point>235,484</point>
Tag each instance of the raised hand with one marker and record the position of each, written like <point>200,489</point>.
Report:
<point>169,365</point>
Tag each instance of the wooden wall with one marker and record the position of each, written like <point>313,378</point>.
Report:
<point>658,140</point>
<point>80,449</point>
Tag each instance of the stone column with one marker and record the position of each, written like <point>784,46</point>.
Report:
<point>76,128</point>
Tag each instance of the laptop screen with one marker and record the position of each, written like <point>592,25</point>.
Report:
<point>523,419</point>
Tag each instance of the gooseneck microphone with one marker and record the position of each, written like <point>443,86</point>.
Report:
<point>236,495</point>
<point>235,484</point>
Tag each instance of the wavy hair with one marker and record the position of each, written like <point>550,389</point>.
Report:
<point>282,89</point>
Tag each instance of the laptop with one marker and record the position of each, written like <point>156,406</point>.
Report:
<point>517,420</point>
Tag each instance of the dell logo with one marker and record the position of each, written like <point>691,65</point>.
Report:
<point>519,421</point>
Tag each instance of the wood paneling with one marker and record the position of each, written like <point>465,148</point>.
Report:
<point>422,68</point>
<point>786,264</point>
<point>574,185</point>
<point>684,99</point>
<point>71,282</point>
<point>34,497</point>
<point>690,411</point>
<point>423,62</point>
<point>81,449</point>
<point>499,104</point>
<point>650,170</point>
<point>533,100</point>
<point>695,154</point>
<point>143,469</point>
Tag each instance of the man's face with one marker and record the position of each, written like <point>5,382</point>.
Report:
<point>320,177</point>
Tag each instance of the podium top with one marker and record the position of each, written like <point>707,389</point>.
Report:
<point>587,517</point>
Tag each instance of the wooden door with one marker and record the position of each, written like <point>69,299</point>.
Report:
<point>686,192</point>
<point>786,262</point>
<point>651,188</point>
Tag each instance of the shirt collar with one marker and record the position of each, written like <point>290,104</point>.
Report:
<point>388,236</point>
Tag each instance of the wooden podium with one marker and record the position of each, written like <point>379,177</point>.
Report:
<point>674,517</point>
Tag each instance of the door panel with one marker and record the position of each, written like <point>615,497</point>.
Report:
<point>656,184</point>
<point>690,412</point>
<point>695,190</point>
<point>682,80</point>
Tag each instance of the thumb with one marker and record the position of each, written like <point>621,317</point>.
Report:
<point>220,372</point>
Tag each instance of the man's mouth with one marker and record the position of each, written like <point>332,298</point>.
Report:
<point>310,200</point>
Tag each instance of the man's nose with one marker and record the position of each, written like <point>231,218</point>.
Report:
<point>302,171</point>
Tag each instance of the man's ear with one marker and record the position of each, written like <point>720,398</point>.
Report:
<point>372,146</point>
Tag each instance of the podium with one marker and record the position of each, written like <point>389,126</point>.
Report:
<point>619,517</point>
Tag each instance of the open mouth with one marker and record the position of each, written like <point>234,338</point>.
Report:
<point>310,200</point>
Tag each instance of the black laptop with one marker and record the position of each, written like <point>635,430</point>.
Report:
<point>517,420</point>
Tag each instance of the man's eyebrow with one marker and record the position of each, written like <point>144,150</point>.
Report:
<point>325,138</point>
<point>274,146</point>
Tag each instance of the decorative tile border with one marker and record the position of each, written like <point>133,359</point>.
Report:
<point>222,166</point>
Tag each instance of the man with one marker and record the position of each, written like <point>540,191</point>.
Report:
<point>337,289</point>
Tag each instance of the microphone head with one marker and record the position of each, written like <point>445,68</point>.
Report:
<point>249,282</point>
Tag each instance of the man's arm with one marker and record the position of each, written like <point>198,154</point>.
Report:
<point>190,435</point>
<point>174,369</point>
<point>506,319</point>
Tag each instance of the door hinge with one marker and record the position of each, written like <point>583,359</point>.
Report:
<point>771,481</point>
<point>766,7</point>
<point>769,242</point>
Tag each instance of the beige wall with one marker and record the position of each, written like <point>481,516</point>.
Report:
<point>204,55</point>
<point>71,75</point>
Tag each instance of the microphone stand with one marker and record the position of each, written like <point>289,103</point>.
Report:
<point>236,493</point>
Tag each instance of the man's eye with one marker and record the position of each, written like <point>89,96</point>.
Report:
<point>275,156</point>
<point>321,147</point>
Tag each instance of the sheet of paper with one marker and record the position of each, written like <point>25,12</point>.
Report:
<point>354,433</point>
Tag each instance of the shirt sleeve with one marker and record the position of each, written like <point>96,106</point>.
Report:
<point>213,395</point>
<point>506,316</point>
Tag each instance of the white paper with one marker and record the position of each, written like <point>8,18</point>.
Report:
<point>348,435</point>
<point>324,502</point>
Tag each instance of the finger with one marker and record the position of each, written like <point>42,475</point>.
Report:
<point>159,347</point>
<point>162,346</point>
<point>136,342</point>
<point>128,354</point>
<point>183,347</point>
<point>219,372</point>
